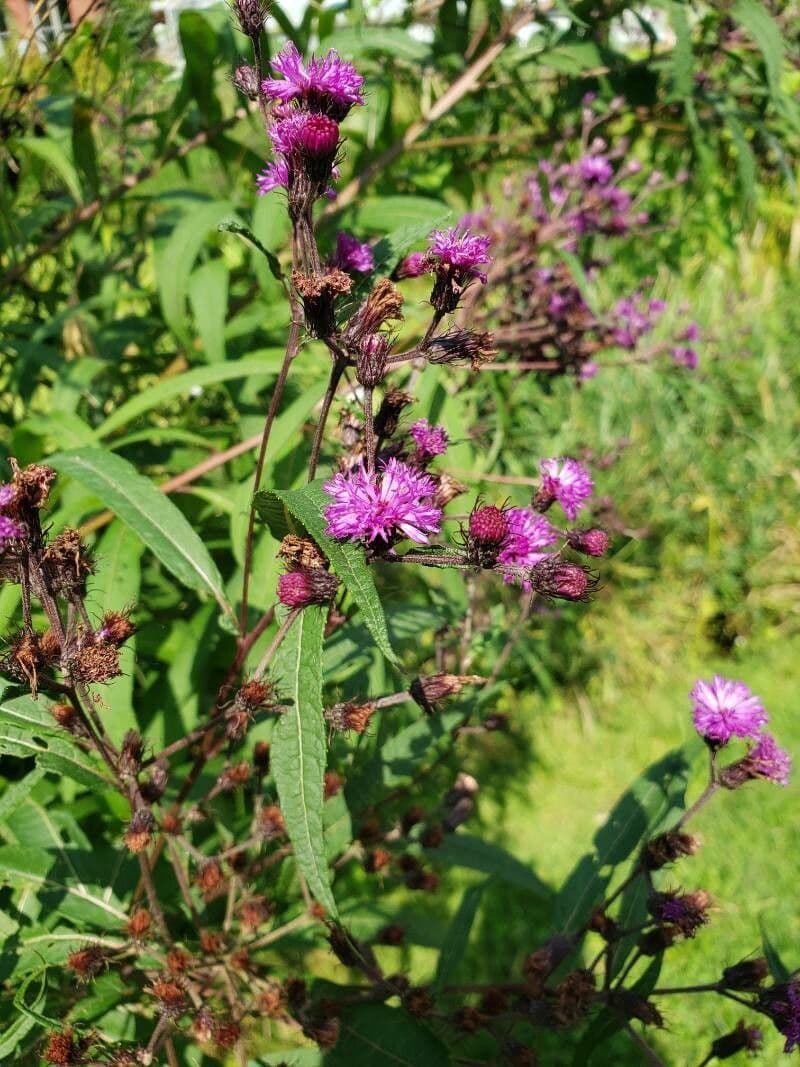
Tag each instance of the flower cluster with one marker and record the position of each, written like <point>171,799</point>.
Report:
<point>723,709</point>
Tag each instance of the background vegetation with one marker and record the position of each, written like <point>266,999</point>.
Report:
<point>130,320</point>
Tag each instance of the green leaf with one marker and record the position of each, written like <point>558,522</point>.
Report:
<point>52,754</point>
<point>765,31</point>
<point>16,792</point>
<point>777,968</point>
<point>115,587</point>
<point>464,850</point>
<point>298,749</point>
<point>347,560</point>
<point>392,41</point>
<point>337,826</point>
<point>682,54</point>
<point>642,811</point>
<point>53,156</point>
<point>200,49</point>
<point>377,214</point>
<point>455,941</point>
<point>27,1019</point>
<point>374,1034</point>
<point>746,164</point>
<point>176,260</point>
<point>182,384</point>
<point>20,866</point>
<point>232,226</point>
<point>208,296</point>
<point>149,513</point>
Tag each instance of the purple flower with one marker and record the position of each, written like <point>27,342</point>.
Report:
<point>566,481</point>
<point>461,249</point>
<point>351,255</point>
<point>413,265</point>
<point>9,530</point>
<point>784,1008</point>
<point>768,760</point>
<point>7,494</point>
<point>395,502</point>
<point>589,370</point>
<point>330,84</point>
<point>595,169</point>
<point>685,357</point>
<point>723,709</point>
<point>635,318</point>
<point>431,440</point>
<point>274,176</point>
<point>526,535</point>
<point>691,333</point>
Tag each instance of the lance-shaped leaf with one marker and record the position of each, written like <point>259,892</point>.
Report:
<point>376,1034</point>
<point>52,754</point>
<point>298,749</point>
<point>308,506</point>
<point>149,513</point>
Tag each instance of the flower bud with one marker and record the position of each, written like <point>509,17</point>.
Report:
<point>388,417</point>
<point>312,585</point>
<point>372,359</point>
<point>561,580</point>
<point>743,1038</point>
<point>209,876</point>
<point>749,974</point>
<point>488,525</point>
<point>589,542</point>
<point>426,691</point>
<point>250,15</point>
<point>246,81</point>
<point>668,847</point>
<point>413,265</point>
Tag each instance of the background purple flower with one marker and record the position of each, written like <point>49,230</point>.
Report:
<point>566,481</point>
<point>430,440</point>
<point>460,248</point>
<point>351,255</point>
<point>768,760</point>
<point>381,506</point>
<point>724,708</point>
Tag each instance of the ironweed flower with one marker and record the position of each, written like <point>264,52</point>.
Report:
<point>489,525</point>
<point>782,1004</point>
<point>564,480</point>
<point>460,249</point>
<point>765,760</point>
<point>431,441</point>
<point>589,542</point>
<point>351,255</point>
<point>391,504</point>
<point>723,708</point>
<point>329,85</point>
<point>526,535</point>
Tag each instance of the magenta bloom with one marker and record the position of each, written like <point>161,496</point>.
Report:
<point>351,255</point>
<point>9,530</point>
<point>588,371</point>
<point>526,535</point>
<point>723,709</point>
<point>566,481</point>
<point>274,176</point>
<point>413,265</point>
<point>595,169</point>
<point>393,503</point>
<point>768,760</point>
<point>430,440</point>
<point>461,249</point>
<point>685,357</point>
<point>330,84</point>
<point>785,1013</point>
<point>7,494</point>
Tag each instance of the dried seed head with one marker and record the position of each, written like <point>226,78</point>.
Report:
<point>318,293</point>
<point>255,694</point>
<point>254,912</point>
<point>139,924</point>
<point>130,756</point>
<point>140,828</point>
<point>493,1002</point>
<point>226,1033</point>
<point>468,1019</point>
<point>66,1048</point>
<point>668,847</point>
<point>240,959</point>
<point>152,787</point>
<point>271,822</point>
<point>687,912</point>
<point>417,1001</point>
<point>383,305</point>
<point>115,628</point>
<point>49,648</point>
<point>32,484</point>
<point>349,716</point>
<point>302,552</point>
<point>749,974</point>
<point>250,15</point>
<point>377,860</point>
<point>388,418</point>
<point>325,1032</point>
<point>393,934</point>
<point>87,962</point>
<point>333,783</point>
<point>95,662</point>
<point>211,943</point>
<point>171,823</point>
<point>178,961</point>
<point>234,777</point>
<point>539,965</point>
<point>171,997</point>
<point>68,562</point>
<point>656,941</point>
<point>632,1006</point>
<point>428,690</point>
<point>66,716</point>
<point>573,998</point>
<point>447,489</point>
<point>602,923</point>
<point>743,1038</point>
<point>461,346</point>
<point>261,751</point>
<point>209,876</point>
<point>24,660</point>
<point>272,1002</point>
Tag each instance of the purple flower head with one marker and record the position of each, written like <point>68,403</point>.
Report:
<point>9,530</point>
<point>273,176</point>
<point>430,440</point>
<point>783,1005</point>
<point>589,370</point>
<point>461,249</point>
<point>330,85</point>
<point>768,760</point>
<point>634,318</point>
<point>526,535</point>
<point>7,494</point>
<point>413,265</point>
<point>691,333</point>
<point>595,169</point>
<point>566,481</point>
<point>685,357</point>
<point>392,503</point>
<point>723,709</point>
<point>351,255</point>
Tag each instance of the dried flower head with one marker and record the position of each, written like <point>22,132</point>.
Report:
<point>668,847</point>
<point>349,716</point>
<point>318,293</point>
<point>139,924</point>
<point>301,552</point>
<point>271,822</point>
<point>138,835</point>
<point>172,1002</point>
<point>388,418</point>
<point>383,305</point>
<point>87,962</point>
<point>95,662</point>
<point>66,1048</point>
<point>459,346</point>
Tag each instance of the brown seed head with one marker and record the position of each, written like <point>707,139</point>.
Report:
<point>178,961</point>
<point>272,1002</point>
<point>139,924</point>
<point>32,484</point>
<point>96,662</point>
<point>388,418</point>
<point>209,876</point>
<point>468,1019</point>
<point>66,1048</point>
<point>349,716</point>
<point>170,995</point>
<point>333,783</point>
<point>418,1002</point>
<point>668,847</point>
<point>573,998</point>
<point>302,552</point>
<point>87,962</point>
<point>377,860</point>
<point>261,751</point>
<point>234,777</point>
<point>254,912</point>
<point>748,974</point>
<point>255,694</point>
<point>271,822</point>
<point>211,943</point>
<point>384,304</point>
<point>140,828</point>
<point>171,824</point>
